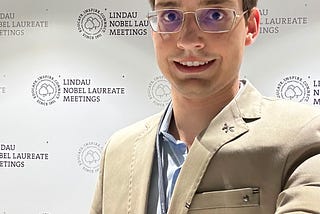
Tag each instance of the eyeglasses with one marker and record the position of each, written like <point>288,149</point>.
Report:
<point>210,20</point>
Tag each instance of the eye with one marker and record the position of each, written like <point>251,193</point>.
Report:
<point>170,16</point>
<point>215,15</point>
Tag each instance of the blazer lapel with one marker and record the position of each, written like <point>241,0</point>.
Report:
<point>228,125</point>
<point>141,168</point>
<point>222,131</point>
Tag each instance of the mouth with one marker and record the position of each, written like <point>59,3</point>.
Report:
<point>193,66</point>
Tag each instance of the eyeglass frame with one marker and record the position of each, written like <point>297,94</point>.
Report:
<point>235,17</point>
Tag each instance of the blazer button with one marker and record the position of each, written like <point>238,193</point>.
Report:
<point>246,198</point>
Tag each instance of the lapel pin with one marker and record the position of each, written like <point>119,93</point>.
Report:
<point>226,128</point>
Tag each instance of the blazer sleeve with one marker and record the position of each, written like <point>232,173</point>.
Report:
<point>301,192</point>
<point>96,206</point>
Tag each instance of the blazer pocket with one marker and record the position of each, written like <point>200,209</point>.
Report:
<point>245,197</point>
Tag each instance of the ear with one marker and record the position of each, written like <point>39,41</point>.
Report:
<point>253,26</point>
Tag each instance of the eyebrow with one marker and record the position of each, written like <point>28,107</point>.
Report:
<point>208,2</point>
<point>167,4</point>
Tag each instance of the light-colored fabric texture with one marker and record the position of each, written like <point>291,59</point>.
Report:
<point>259,155</point>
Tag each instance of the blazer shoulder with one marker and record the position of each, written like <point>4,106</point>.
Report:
<point>136,130</point>
<point>290,108</point>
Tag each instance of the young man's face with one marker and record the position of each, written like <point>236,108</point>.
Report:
<point>200,64</point>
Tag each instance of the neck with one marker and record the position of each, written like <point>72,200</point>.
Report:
<point>192,116</point>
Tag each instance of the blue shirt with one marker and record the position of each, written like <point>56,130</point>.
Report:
<point>174,153</point>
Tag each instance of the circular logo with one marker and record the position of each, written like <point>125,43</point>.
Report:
<point>89,156</point>
<point>293,88</point>
<point>46,90</point>
<point>92,23</point>
<point>159,91</point>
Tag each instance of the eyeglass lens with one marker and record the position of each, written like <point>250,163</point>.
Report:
<point>208,19</point>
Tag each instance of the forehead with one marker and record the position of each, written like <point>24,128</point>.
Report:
<point>234,4</point>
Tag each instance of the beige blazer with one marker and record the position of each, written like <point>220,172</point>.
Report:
<point>259,155</point>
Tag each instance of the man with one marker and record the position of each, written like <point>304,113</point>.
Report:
<point>219,146</point>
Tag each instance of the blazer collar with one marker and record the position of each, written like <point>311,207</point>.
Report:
<point>249,102</point>
<point>229,124</point>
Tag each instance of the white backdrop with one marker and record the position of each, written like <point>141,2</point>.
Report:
<point>73,72</point>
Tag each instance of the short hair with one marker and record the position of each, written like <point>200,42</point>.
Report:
<point>247,5</point>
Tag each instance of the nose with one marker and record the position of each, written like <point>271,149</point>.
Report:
<point>190,36</point>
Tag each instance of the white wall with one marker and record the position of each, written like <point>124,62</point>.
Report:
<point>41,119</point>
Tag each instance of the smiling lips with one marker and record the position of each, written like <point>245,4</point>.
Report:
<point>193,66</point>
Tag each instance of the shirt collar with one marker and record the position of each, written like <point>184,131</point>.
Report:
<point>166,119</point>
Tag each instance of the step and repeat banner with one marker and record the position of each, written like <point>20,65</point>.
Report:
<point>73,72</point>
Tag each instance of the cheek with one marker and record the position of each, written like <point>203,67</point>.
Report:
<point>236,45</point>
<point>160,40</point>
<point>159,52</point>
<point>163,45</point>
<point>157,47</point>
